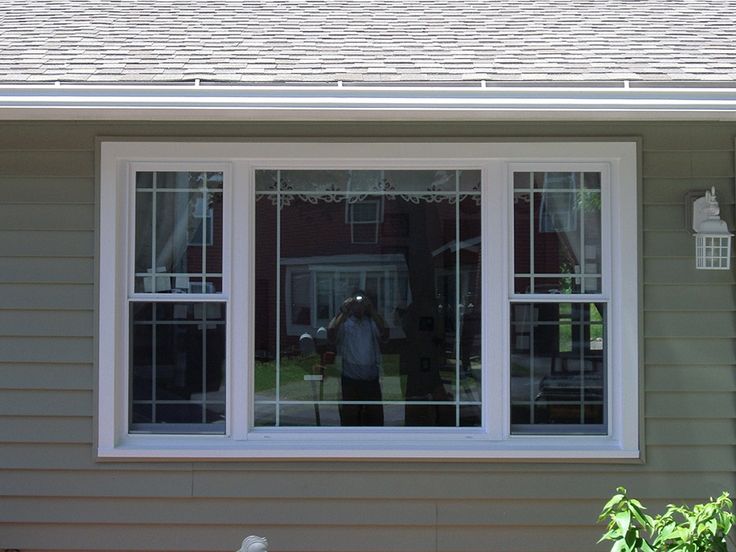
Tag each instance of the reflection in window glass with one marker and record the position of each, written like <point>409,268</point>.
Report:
<point>178,232</point>
<point>368,298</point>
<point>558,367</point>
<point>557,232</point>
<point>177,367</point>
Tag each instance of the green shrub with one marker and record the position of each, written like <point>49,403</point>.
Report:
<point>703,528</point>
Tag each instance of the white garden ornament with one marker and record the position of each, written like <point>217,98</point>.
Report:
<point>254,544</point>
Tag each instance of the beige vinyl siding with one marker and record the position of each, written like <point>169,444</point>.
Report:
<point>54,495</point>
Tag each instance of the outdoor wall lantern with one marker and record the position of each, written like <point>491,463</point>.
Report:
<point>712,238</point>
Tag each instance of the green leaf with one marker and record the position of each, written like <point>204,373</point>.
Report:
<point>619,546</point>
<point>623,520</point>
<point>614,501</point>
<point>665,533</point>
<point>631,540</point>
<point>610,535</point>
<point>641,518</point>
<point>702,528</point>
<point>636,503</point>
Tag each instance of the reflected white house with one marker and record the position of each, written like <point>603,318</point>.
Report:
<point>316,287</point>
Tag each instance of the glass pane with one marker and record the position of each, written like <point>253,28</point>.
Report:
<point>180,180</point>
<point>522,181</point>
<point>378,300</point>
<point>557,233</point>
<point>422,181</point>
<point>144,180</point>
<point>266,181</point>
<point>592,181</point>
<point>468,376</point>
<point>324,180</point>
<point>265,309</point>
<point>522,285</point>
<point>558,367</point>
<point>178,367</point>
<point>469,181</point>
<point>178,242</point>
<point>523,233</point>
<point>214,180</point>
<point>143,237</point>
<point>556,180</point>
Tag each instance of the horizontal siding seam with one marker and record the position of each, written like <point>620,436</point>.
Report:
<point>644,150</point>
<point>681,283</point>
<point>46,442</point>
<point>709,392</point>
<point>649,203</point>
<point>643,470</point>
<point>45,175</point>
<point>49,203</point>
<point>86,229</point>
<point>59,150</point>
<point>670,335</point>
<point>47,282</point>
<point>676,417</point>
<point>684,364</point>
<point>692,284</point>
<point>686,178</point>
<point>679,337</point>
<point>46,256</point>
<point>47,231</point>
<point>75,389</point>
<point>78,364</point>
<point>659,310</point>
<point>684,148</point>
<point>54,309</point>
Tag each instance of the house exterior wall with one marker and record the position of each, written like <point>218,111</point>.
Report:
<point>55,495</point>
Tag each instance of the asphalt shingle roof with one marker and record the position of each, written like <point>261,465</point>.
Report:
<point>372,41</point>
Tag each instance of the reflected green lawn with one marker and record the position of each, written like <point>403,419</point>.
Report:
<point>293,386</point>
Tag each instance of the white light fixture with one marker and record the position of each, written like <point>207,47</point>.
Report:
<point>712,238</point>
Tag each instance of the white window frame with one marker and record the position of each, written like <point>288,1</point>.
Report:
<point>494,439</point>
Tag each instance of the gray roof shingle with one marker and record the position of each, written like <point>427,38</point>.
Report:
<point>371,41</point>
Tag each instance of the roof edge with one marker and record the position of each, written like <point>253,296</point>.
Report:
<point>187,102</point>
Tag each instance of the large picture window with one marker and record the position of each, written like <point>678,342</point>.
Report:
<point>378,331</point>
<point>368,300</point>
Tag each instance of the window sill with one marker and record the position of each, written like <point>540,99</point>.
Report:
<point>262,447</point>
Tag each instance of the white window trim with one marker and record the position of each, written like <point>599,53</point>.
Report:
<point>493,440</point>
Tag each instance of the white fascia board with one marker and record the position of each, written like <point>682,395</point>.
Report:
<point>176,102</point>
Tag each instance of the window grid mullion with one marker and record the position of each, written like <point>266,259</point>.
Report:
<point>154,364</point>
<point>582,232</point>
<point>458,298</point>
<point>154,331</point>
<point>154,210</point>
<point>532,265</point>
<point>279,204</point>
<point>581,369</point>
<point>205,211</point>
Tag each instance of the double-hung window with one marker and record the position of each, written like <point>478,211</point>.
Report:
<point>466,300</point>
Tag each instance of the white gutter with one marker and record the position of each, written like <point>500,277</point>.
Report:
<point>194,102</point>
